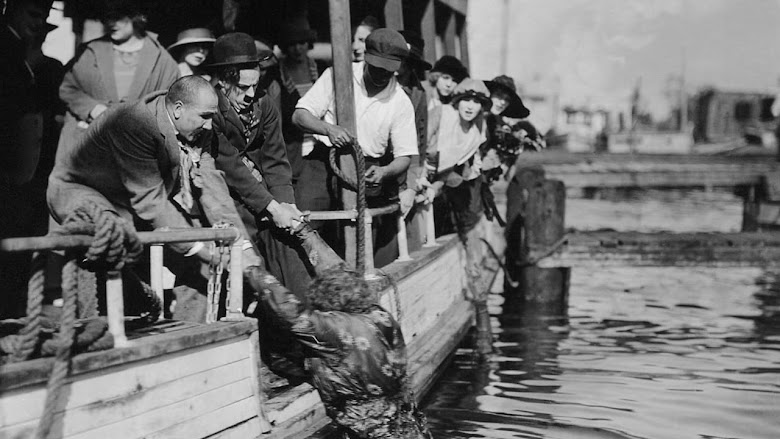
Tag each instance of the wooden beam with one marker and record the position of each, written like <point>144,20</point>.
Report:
<point>615,249</point>
<point>394,14</point>
<point>428,31</point>
<point>464,42</point>
<point>341,41</point>
<point>449,35</point>
<point>459,6</point>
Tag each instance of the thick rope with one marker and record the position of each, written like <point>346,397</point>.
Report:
<point>23,345</point>
<point>360,187</point>
<point>61,365</point>
<point>549,250</point>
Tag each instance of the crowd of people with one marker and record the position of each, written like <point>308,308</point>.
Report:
<point>223,129</point>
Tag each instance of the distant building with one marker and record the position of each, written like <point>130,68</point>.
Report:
<point>724,116</point>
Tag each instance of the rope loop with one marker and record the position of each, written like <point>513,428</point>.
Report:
<point>360,187</point>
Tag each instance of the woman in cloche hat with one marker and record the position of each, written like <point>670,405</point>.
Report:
<point>453,162</point>
<point>190,50</point>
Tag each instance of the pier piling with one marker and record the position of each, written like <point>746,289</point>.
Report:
<point>536,209</point>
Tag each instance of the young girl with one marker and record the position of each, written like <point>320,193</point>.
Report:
<point>445,75</point>
<point>455,134</point>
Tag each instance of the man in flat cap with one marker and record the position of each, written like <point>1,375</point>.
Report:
<point>385,117</point>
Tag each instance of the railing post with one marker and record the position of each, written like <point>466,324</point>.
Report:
<point>116,308</point>
<point>156,274</point>
<point>369,246</point>
<point>403,244</point>
<point>430,226</point>
<point>234,303</point>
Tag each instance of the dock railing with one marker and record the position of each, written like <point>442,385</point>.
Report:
<point>114,292</point>
<point>401,234</point>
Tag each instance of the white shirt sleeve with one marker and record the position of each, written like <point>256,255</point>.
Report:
<point>403,132</point>
<point>320,96</point>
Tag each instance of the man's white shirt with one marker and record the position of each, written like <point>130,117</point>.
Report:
<point>384,119</point>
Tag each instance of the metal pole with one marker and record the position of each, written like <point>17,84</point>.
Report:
<point>403,244</point>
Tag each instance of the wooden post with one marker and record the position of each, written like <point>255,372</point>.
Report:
<point>464,41</point>
<point>394,14</point>
<point>428,31</point>
<point>234,303</point>
<point>750,210</point>
<point>156,274</point>
<point>341,41</point>
<point>116,308</point>
<point>403,244</point>
<point>545,289</point>
<point>369,248</point>
<point>430,225</point>
<point>449,35</point>
<point>535,220</point>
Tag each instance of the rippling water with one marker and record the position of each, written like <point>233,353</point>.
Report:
<point>643,352</point>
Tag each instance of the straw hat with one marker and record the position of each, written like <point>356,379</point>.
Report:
<point>199,35</point>
<point>516,108</point>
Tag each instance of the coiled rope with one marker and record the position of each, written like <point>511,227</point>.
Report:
<point>358,186</point>
<point>115,245</point>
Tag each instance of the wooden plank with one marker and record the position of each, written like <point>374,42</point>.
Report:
<point>394,14</point>
<point>147,423</point>
<point>427,356</point>
<point>464,41</point>
<point>449,35</point>
<point>103,412</point>
<point>681,178</point>
<point>109,385</point>
<point>599,249</point>
<point>211,422</point>
<point>247,429</point>
<point>26,373</point>
<point>459,6</point>
<point>428,31</point>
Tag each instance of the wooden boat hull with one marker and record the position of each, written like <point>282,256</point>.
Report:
<point>202,381</point>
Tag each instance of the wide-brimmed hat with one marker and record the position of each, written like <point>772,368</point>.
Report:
<point>118,9</point>
<point>199,35</point>
<point>451,66</point>
<point>297,31</point>
<point>233,49</point>
<point>472,89</point>
<point>386,48</point>
<point>516,108</point>
<point>416,46</point>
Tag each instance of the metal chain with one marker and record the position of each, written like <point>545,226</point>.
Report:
<point>216,271</point>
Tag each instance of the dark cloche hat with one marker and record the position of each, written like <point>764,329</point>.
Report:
<point>416,46</point>
<point>474,89</point>
<point>451,66</point>
<point>297,31</point>
<point>516,108</point>
<point>386,48</point>
<point>118,9</point>
<point>234,48</point>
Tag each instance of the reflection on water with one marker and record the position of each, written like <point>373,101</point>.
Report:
<point>643,352</point>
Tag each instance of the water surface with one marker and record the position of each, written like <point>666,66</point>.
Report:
<point>643,352</point>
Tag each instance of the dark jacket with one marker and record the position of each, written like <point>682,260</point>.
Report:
<point>264,151</point>
<point>90,81</point>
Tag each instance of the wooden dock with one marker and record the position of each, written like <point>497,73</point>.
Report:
<point>649,170</point>
<point>609,249</point>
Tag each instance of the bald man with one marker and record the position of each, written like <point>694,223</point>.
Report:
<point>149,163</point>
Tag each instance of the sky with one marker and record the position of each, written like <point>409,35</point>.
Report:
<point>595,51</point>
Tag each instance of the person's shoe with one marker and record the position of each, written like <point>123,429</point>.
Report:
<point>321,256</point>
